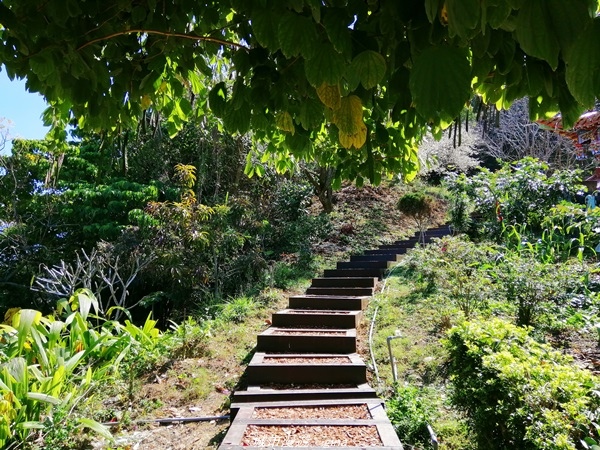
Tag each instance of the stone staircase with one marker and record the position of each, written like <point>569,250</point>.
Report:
<point>307,386</point>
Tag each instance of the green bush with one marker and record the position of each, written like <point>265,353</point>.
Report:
<point>410,411</point>
<point>537,291</point>
<point>516,392</point>
<point>520,192</point>
<point>457,269</point>
<point>418,206</point>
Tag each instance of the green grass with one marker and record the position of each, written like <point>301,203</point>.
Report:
<point>420,320</point>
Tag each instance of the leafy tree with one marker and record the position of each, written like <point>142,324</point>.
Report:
<point>419,207</point>
<point>371,75</point>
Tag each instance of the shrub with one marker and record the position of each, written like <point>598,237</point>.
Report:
<point>516,392</point>
<point>457,269</point>
<point>410,411</point>
<point>418,206</point>
<point>520,192</point>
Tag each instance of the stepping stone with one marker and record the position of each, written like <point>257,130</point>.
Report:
<point>295,391</point>
<point>300,318</point>
<point>363,265</point>
<point>312,431</point>
<point>301,368</point>
<point>307,340</point>
<point>336,302</point>
<point>378,273</point>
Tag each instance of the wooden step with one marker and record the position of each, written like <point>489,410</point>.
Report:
<point>296,424</point>
<point>325,302</point>
<point>363,265</point>
<point>280,392</point>
<point>316,317</point>
<point>304,368</point>
<point>387,251</point>
<point>354,273</point>
<point>307,340</point>
<point>308,403</point>
<point>433,233</point>
<point>386,257</point>
<point>368,282</point>
<point>399,244</point>
<point>344,291</point>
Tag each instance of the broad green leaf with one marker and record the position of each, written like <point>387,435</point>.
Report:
<point>326,66</point>
<point>31,425</point>
<point>567,20</point>
<point>300,145</point>
<point>398,90</point>
<point>311,114</point>
<point>43,398</point>
<point>356,140</point>
<point>296,5</point>
<point>84,300</point>
<point>337,30</point>
<point>284,122</point>
<point>102,430</point>
<point>23,321</point>
<point>195,81</point>
<point>330,95</point>
<point>217,98</point>
<point>370,68</point>
<point>463,16</point>
<point>535,31</point>
<point>73,361</point>
<point>497,14</point>
<point>265,27</point>
<point>239,94</point>
<point>432,8</point>
<point>297,36</point>
<point>260,121</point>
<point>238,119</point>
<point>440,82</point>
<point>583,66</point>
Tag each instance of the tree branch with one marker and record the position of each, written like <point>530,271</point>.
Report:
<point>163,33</point>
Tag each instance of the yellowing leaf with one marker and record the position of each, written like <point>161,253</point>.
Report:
<point>284,122</point>
<point>349,116</point>
<point>356,140</point>
<point>330,95</point>
<point>146,102</point>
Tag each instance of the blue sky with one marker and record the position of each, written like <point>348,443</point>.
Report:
<point>21,107</point>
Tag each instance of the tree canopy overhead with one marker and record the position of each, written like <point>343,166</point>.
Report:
<point>370,76</point>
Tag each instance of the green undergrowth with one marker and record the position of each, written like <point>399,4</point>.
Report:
<point>471,327</point>
<point>420,395</point>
